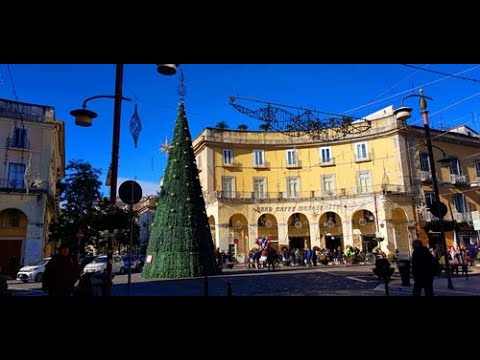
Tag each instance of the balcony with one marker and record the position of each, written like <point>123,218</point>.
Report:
<point>463,217</point>
<point>458,179</point>
<point>397,190</point>
<point>263,166</point>
<point>232,165</point>
<point>425,176</point>
<point>23,111</point>
<point>331,162</point>
<point>362,159</point>
<point>293,165</point>
<point>18,186</point>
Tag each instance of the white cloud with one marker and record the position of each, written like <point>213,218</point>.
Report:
<point>148,187</point>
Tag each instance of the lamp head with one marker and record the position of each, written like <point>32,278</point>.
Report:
<point>83,117</point>
<point>167,69</point>
<point>403,113</point>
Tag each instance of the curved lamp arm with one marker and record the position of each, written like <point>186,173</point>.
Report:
<point>84,105</point>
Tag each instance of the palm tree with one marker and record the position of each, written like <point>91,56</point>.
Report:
<point>242,127</point>
<point>222,125</point>
<point>265,126</point>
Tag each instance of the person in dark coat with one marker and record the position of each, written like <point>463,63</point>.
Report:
<point>61,273</point>
<point>422,269</point>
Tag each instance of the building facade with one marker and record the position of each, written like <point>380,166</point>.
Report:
<point>303,192</point>
<point>457,158</point>
<point>32,154</point>
<point>367,190</point>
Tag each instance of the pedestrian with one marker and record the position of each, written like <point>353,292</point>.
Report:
<point>13,266</point>
<point>61,273</point>
<point>423,269</point>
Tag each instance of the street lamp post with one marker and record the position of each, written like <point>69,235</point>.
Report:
<point>403,113</point>
<point>84,117</point>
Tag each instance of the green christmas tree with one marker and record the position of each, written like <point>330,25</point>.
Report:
<point>180,243</point>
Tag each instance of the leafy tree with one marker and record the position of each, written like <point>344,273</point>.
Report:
<point>180,243</point>
<point>242,127</point>
<point>222,125</point>
<point>84,215</point>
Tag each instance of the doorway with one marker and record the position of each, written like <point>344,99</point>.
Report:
<point>333,242</point>
<point>297,242</point>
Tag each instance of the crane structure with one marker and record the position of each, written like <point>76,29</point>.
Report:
<point>276,117</point>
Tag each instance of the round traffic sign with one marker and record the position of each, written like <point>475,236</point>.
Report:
<point>130,192</point>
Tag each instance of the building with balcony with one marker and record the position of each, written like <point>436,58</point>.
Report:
<point>32,152</point>
<point>457,159</point>
<point>355,190</point>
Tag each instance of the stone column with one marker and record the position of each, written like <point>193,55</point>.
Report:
<point>33,244</point>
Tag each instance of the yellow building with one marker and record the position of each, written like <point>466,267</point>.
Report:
<point>301,192</point>
<point>33,159</point>
<point>457,163</point>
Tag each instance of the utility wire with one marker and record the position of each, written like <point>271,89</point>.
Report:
<point>409,90</point>
<point>442,73</point>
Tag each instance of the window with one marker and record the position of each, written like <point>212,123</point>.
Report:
<point>16,171</point>
<point>328,184</point>
<point>361,151</point>
<point>293,187</point>
<point>19,138</point>
<point>364,182</point>
<point>459,200</point>
<point>258,158</point>
<point>429,198</point>
<point>292,157</point>
<point>477,168</point>
<point>260,188</point>
<point>424,162</point>
<point>455,167</point>
<point>228,187</point>
<point>227,157</point>
<point>325,155</point>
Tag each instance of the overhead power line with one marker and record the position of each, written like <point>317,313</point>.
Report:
<point>442,73</point>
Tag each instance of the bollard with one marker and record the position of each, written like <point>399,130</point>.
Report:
<point>403,267</point>
<point>229,289</point>
<point>384,271</point>
<point>205,285</point>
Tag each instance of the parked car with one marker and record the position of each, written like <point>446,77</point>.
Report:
<point>85,260</point>
<point>135,262</point>
<point>33,272</point>
<point>100,265</point>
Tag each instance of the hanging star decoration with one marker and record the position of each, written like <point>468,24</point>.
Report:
<point>422,209</point>
<point>166,147</point>
<point>37,181</point>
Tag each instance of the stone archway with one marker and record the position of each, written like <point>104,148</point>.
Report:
<point>363,221</point>
<point>331,233</point>
<point>299,231</point>
<point>13,232</point>
<point>238,236</point>
<point>211,222</point>
<point>398,234</point>
<point>268,227</point>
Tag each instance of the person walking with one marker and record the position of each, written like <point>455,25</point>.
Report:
<point>61,273</point>
<point>423,269</point>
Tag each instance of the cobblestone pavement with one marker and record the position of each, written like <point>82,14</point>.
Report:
<point>295,282</point>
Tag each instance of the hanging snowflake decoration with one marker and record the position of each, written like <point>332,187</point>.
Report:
<point>135,126</point>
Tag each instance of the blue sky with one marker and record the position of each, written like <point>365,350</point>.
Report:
<point>353,89</point>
